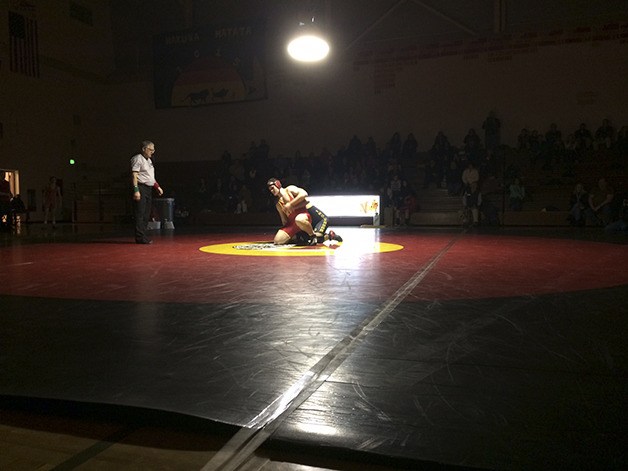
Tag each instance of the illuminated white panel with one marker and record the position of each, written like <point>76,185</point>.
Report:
<point>347,205</point>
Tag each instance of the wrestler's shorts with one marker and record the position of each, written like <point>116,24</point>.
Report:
<point>319,219</point>
<point>291,228</point>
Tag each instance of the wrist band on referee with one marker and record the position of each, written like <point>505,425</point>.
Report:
<point>136,188</point>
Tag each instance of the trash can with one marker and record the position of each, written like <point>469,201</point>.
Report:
<point>165,210</point>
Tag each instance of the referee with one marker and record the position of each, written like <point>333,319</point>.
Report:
<point>143,174</point>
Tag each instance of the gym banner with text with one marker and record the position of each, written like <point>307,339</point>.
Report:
<point>209,65</point>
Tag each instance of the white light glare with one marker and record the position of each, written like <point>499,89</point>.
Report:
<point>308,48</point>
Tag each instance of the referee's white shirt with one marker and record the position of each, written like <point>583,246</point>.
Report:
<point>144,168</point>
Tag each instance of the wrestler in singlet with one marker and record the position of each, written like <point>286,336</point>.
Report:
<point>291,228</point>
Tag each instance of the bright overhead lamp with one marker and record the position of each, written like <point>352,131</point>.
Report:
<point>308,45</point>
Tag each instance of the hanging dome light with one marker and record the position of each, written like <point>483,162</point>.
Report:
<point>308,45</point>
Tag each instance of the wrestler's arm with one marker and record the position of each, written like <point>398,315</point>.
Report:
<point>282,214</point>
<point>299,196</point>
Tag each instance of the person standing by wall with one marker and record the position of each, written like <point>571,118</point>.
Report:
<point>472,198</point>
<point>143,178</point>
<point>5,202</point>
<point>52,200</point>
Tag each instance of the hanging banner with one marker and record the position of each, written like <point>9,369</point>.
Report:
<point>23,38</point>
<point>209,65</point>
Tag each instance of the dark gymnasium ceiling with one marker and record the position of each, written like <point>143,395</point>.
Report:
<point>354,23</point>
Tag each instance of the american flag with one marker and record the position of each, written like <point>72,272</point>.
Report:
<point>24,46</point>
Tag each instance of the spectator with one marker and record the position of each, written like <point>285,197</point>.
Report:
<point>355,149</point>
<point>52,195</point>
<point>263,150</point>
<point>218,200</point>
<point>517,194</point>
<point>370,148</point>
<point>600,203</point>
<point>232,194</point>
<point>18,209</point>
<point>201,198</point>
<point>433,173</point>
<point>244,200</point>
<point>491,128</point>
<point>621,144</point>
<point>453,177</point>
<point>583,140</point>
<point>441,147</point>
<point>523,140</point>
<point>409,147</point>
<point>604,136</point>
<point>5,202</point>
<point>395,145</point>
<point>394,189</point>
<point>535,146</point>
<point>621,224</point>
<point>472,197</point>
<point>554,147</point>
<point>440,153</point>
<point>578,203</point>
<point>409,205</point>
<point>472,146</point>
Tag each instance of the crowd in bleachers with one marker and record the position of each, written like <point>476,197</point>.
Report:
<point>398,169</point>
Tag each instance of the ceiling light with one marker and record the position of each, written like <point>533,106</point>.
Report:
<point>308,45</point>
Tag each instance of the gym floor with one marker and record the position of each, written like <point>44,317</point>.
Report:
<point>399,348</point>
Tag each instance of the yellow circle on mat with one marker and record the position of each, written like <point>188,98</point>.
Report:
<point>268,249</point>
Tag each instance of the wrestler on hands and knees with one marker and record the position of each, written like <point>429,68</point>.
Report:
<point>298,216</point>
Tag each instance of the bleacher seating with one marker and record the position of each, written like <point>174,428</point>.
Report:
<point>547,203</point>
<point>548,191</point>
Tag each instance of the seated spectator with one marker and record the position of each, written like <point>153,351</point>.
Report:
<point>578,204</point>
<point>600,211</point>
<point>621,224</point>
<point>621,144</point>
<point>218,201</point>
<point>244,200</point>
<point>517,194</point>
<point>583,139</point>
<point>523,140</point>
<point>604,136</point>
<point>18,210</point>
<point>433,173</point>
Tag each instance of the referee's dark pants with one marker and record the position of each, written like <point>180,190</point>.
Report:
<point>142,211</point>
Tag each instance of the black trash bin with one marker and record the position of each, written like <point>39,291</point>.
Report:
<point>165,210</point>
